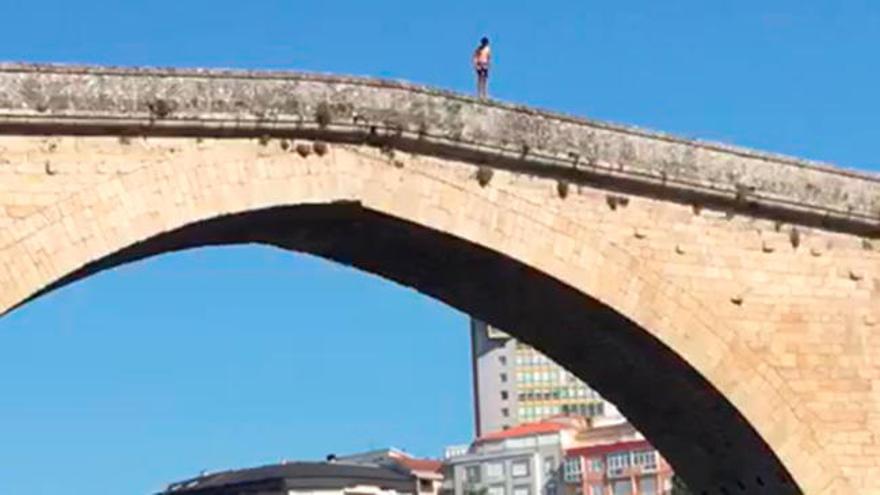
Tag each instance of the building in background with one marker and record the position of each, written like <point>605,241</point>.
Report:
<point>301,478</point>
<point>566,455</point>
<point>379,472</point>
<point>514,383</point>
<point>521,460</point>
<point>614,459</point>
<point>428,472</point>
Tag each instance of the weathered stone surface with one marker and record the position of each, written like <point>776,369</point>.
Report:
<point>746,348</point>
<point>214,102</point>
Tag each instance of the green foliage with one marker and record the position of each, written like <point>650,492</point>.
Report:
<point>474,490</point>
<point>678,487</point>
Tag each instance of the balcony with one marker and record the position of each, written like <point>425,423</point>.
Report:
<point>455,451</point>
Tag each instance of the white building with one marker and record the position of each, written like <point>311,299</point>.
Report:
<point>306,478</point>
<point>522,460</point>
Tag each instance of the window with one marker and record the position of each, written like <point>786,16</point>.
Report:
<point>596,465</point>
<point>495,490</point>
<point>519,469</point>
<point>549,464</point>
<point>502,360</point>
<point>505,412</point>
<point>472,474</point>
<point>622,487</point>
<point>597,489</point>
<point>645,459</point>
<point>495,470</point>
<point>648,485</point>
<point>503,377</point>
<point>571,470</point>
<point>426,485</point>
<point>504,395</point>
<point>619,460</point>
<point>522,490</point>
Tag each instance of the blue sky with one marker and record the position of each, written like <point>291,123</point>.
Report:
<point>226,357</point>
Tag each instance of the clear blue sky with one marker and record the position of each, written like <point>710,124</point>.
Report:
<point>227,357</point>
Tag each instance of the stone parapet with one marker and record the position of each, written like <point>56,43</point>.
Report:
<point>37,99</point>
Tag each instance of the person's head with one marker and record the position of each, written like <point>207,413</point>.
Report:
<point>484,41</point>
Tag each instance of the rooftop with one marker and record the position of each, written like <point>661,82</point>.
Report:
<point>295,475</point>
<point>525,430</point>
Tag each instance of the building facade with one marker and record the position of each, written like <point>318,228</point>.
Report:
<point>301,478</point>
<point>614,459</point>
<point>522,460</point>
<point>427,472</point>
<point>378,472</point>
<point>514,383</point>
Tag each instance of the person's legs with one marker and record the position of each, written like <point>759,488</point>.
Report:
<point>482,82</point>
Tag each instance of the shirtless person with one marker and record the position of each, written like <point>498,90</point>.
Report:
<point>482,57</point>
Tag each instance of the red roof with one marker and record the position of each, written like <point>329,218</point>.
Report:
<point>415,464</point>
<point>524,430</point>
<point>420,464</point>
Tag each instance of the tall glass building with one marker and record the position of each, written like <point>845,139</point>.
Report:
<point>514,383</point>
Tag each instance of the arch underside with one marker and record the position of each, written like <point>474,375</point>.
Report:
<point>700,432</point>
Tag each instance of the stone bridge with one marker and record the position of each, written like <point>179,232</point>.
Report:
<point>727,300</point>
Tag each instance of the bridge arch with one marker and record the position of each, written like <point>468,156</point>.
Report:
<point>722,417</point>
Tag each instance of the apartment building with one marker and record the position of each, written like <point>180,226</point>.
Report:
<point>522,460</point>
<point>614,459</point>
<point>300,478</point>
<point>378,472</point>
<point>514,383</point>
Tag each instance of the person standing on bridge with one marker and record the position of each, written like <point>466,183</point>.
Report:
<point>482,57</point>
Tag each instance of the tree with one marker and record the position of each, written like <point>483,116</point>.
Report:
<point>472,489</point>
<point>678,486</point>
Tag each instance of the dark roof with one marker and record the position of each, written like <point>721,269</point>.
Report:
<point>295,475</point>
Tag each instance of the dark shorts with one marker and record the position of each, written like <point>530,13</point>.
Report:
<point>483,71</point>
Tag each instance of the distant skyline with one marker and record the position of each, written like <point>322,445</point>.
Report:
<point>227,357</point>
